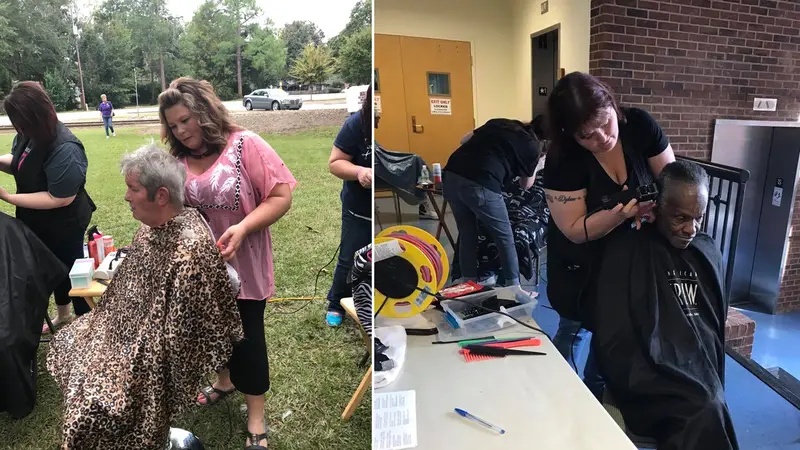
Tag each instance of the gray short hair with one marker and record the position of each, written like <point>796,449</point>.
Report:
<point>683,172</point>
<point>156,169</point>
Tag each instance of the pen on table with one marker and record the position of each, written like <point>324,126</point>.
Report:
<point>469,416</point>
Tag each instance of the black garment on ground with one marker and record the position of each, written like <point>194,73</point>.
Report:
<point>32,272</point>
<point>571,267</point>
<point>498,151</point>
<point>658,335</point>
<point>352,141</point>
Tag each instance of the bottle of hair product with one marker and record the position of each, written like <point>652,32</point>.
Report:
<point>108,245</point>
<point>93,250</point>
<point>100,253</point>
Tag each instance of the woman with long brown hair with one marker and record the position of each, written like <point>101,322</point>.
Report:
<point>49,165</point>
<point>242,187</point>
<point>596,150</point>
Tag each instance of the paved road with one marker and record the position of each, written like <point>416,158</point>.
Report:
<point>130,112</point>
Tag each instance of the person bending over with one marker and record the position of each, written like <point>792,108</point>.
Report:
<point>473,178</point>
<point>659,321</point>
<point>167,319</point>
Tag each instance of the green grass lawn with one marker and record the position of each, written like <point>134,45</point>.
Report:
<point>313,368</point>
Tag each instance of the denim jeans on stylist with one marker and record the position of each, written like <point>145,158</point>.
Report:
<point>470,203</point>
<point>568,340</point>
<point>356,234</point>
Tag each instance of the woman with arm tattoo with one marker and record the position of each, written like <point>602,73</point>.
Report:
<point>595,148</point>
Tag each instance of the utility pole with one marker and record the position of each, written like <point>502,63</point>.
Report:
<point>136,87</point>
<point>80,69</point>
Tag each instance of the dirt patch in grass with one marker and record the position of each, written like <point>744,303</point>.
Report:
<point>279,122</point>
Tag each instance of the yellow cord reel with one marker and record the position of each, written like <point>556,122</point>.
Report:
<point>418,263</point>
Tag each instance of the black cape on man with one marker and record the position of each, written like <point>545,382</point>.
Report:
<point>658,332</point>
<point>31,273</point>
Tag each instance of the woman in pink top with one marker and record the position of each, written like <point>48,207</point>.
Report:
<point>242,187</point>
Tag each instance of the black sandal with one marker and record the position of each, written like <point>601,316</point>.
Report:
<point>208,391</point>
<point>255,439</point>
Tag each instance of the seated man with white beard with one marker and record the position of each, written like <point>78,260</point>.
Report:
<point>168,318</point>
<point>658,323</point>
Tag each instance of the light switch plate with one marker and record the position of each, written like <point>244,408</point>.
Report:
<point>765,104</point>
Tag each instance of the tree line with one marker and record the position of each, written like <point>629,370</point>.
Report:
<point>224,43</point>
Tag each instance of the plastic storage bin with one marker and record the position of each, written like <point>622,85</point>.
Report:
<point>487,323</point>
<point>81,273</point>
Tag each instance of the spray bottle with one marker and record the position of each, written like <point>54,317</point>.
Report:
<point>96,250</point>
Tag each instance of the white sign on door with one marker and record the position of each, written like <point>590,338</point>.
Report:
<point>378,104</point>
<point>777,196</point>
<point>441,107</point>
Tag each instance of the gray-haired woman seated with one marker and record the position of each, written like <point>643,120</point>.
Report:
<point>168,318</point>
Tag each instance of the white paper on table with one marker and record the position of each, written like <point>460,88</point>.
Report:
<point>394,420</point>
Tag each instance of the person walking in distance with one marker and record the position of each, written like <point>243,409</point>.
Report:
<point>107,112</point>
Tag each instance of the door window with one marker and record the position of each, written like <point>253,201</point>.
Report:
<point>377,82</point>
<point>439,84</point>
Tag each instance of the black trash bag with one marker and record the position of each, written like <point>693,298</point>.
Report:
<point>32,273</point>
<point>399,171</point>
<point>658,333</point>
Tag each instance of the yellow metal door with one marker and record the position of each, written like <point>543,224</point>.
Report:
<point>392,132</point>
<point>437,76</point>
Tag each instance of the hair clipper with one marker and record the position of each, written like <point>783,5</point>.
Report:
<point>644,193</point>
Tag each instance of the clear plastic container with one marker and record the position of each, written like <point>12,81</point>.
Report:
<point>81,273</point>
<point>455,325</point>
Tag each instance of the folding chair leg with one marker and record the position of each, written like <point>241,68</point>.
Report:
<point>397,210</point>
<point>366,383</point>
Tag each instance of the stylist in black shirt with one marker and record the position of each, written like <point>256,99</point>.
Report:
<point>351,160</point>
<point>597,149</point>
<point>473,179</point>
<point>49,166</point>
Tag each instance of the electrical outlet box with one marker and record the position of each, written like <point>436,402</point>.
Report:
<point>765,104</point>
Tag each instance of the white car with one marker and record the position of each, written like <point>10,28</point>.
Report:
<point>271,99</point>
<point>355,96</point>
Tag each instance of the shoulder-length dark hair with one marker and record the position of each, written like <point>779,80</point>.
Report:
<point>366,114</point>
<point>31,112</point>
<point>575,101</point>
<point>199,97</point>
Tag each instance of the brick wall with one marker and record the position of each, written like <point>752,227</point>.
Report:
<point>740,331</point>
<point>689,62</point>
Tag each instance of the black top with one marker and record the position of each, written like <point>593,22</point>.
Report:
<point>58,168</point>
<point>351,140</point>
<point>576,168</point>
<point>497,152</point>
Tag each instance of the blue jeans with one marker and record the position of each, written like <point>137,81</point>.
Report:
<point>356,234</point>
<point>471,203</point>
<point>108,124</point>
<point>568,341</point>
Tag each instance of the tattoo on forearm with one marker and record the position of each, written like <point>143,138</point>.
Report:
<point>562,198</point>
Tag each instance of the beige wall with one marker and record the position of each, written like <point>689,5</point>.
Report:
<point>574,17</point>
<point>499,31</point>
<point>485,24</point>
